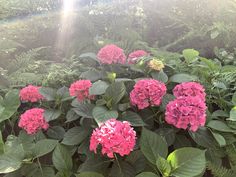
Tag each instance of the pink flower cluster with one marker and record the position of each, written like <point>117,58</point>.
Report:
<point>147,92</point>
<point>111,54</point>
<point>30,94</point>
<point>133,57</point>
<point>189,89</point>
<point>114,137</point>
<point>33,120</point>
<point>188,110</point>
<point>80,89</point>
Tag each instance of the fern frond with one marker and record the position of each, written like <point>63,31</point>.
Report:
<point>219,171</point>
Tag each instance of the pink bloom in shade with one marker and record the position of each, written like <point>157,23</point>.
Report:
<point>186,112</point>
<point>189,89</point>
<point>135,55</point>
<point>30,94</point>
<point>147,92</point>
<point>111,54</point>
<point>80,89</point>
<point>114,137</point>
<point>33,120</point>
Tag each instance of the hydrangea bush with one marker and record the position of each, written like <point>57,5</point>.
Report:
<point>135,116</point>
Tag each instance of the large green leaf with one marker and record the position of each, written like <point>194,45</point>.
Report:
<point>123,169</point>
<point>61,159</point>
<point>101,114</point>
<point>51,114</point>
<point>161,76</point>
<point>153,145</point>
<point>190,55</point>
<point>204,137</point>
<point>98,88</point>
<point>71,116</point>
<point>220,126</point>
<point>133,118</point>
<point>9,105</point>
<point>92,75</point>
<point>147,174</point>
<point>84,110</point>
<point>116,91</point>
<point>9,163</point>
<point>56,132</point>
<point>75,136</point>
<point>187,162</point>
<point>44,146</point>
<point>89,174</point>
<point>95,163</point>
<point>179,78</point>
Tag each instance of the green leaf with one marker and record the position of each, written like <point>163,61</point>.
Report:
<point>98,88</point>
<point>101,114</point>
<point>51,114</point>
<point>89,55</point>
<point>71,116</point>
<point>56,132</point>
<point>232,115</point>
<point>89,174</point>
<point>204,137</point>
<point>9,163</point>
<point>123,169</point>
<point>116,91</point>
<point>91,75</point>
<point>220,126</point>
<point>48,93</point>
<point>187,162</point>
<point>133,118</point>
<point>147,174</point>
<point>96,164</point>
<point>219,138</point>
<point>12,100</point>
<point>61,159</point>
<point>219,113</point>
<point>9,105</point>
<point>190,55</point>
<point>153,145</point>
<point>63,93</point>
<point>75,136</point>
<point>234,98</point>
<point>179,78</point>
<point>163,166</point>
<point>161,76</point>
<point>84,110</point>
<point>44,146</point>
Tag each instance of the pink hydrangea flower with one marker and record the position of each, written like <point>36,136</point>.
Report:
<point>147,92</point>
<point>186,112</point>
<point>33,120</point>
<point>30,94</point>
<point>190,89</point>
<point>111,54</point>
<point>114,137</point>
<point>135,55</point>
<point>80,89</point>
